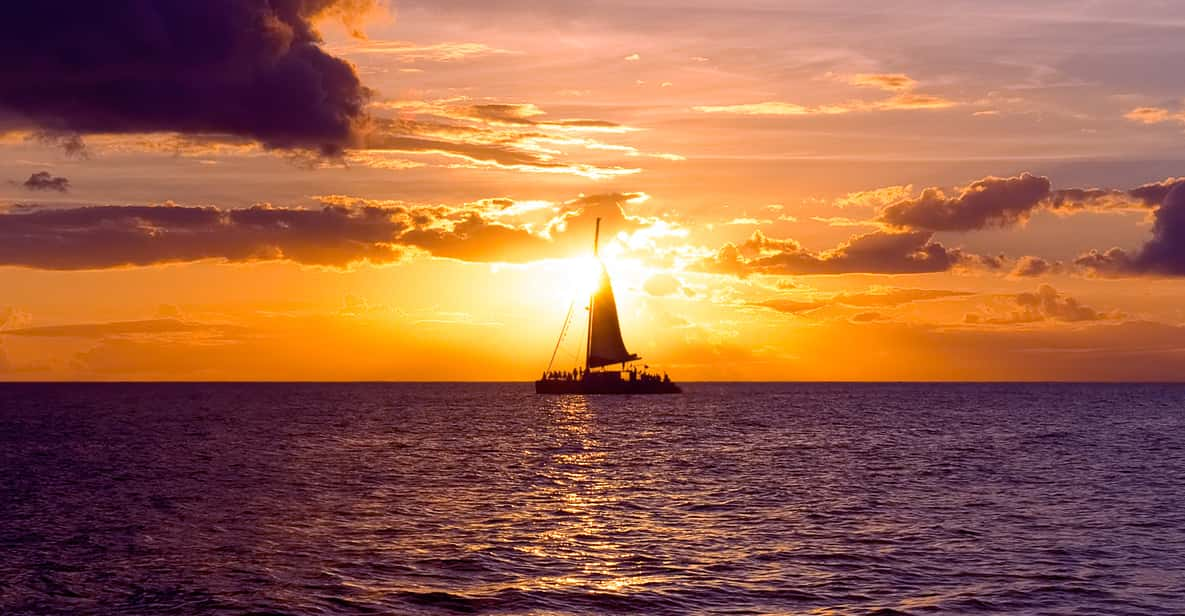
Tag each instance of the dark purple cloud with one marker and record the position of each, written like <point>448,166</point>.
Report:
<point>879,252</point>
<point>1005,202</point>
<point>1163,255</point>
<point>343,232</point>
<point>1154,194</point>
<point>44,180</point>
<point>107,236</point>
<point>989,202</point>
<point>251,68</point>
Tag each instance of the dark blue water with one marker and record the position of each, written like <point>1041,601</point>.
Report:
<point>737,499</point>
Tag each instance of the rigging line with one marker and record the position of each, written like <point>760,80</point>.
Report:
<point>563,330</point>
<point>582,348</point>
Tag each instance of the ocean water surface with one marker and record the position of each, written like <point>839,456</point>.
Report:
<point>484,498</point>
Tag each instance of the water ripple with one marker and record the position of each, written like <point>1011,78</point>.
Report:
<point>454,499</point>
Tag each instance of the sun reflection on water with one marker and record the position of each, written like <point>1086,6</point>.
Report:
<point>578,486</point>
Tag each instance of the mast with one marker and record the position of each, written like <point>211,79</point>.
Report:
<point>588,346</point>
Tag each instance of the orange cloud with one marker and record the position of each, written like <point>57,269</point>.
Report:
<point>775,108</point>
<point>408,52</point>
<point>903,85</point>
<point>1045,304</point>
<point>879,298</point>
<point>1029,266</point>
<point>893,82</point>
<point>1153,115</point>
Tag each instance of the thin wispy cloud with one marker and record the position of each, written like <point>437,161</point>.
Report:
<point>904,99</point>
<point>894,82</point>
<point>509,136</point>
<point>409,52</point>
<point>1154,115</point>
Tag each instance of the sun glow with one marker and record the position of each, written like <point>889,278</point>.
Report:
<point>585,275</point>
<point>580,277</point>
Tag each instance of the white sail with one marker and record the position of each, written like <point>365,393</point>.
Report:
<point>605,346</point>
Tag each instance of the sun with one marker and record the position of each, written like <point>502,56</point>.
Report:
<point>584,277</point>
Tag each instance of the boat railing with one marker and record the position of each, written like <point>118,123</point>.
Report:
<point>631,375</point>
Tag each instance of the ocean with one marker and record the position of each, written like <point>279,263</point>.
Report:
<point>485,498</point>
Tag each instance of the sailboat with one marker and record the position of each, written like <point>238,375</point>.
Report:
<point>604,347</point>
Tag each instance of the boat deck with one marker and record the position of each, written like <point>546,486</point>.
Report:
<point>606,383</point>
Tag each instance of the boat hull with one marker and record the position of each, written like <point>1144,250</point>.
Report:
<point>622,387</point>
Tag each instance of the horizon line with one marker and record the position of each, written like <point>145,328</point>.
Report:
<point>528,382</point>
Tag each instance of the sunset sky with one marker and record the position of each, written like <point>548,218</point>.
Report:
<point>790,190</point>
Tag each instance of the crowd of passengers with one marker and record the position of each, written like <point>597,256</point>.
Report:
<point>579,373</point>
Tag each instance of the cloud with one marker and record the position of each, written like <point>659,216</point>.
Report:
<point>473,238</point>
<point>909,101</point>
<point>528,115</point>
<point>511,136</point>
<point>878,252</point>
<point>876,198</point>
<point>1154,115</point>
<point>894,82</point>
<point>748,221</point>
<point>895,297</point>
<point>878,298</point>
<point>1034,267</point>
<point>791,306</point>
<point>984,203</point>
<point>345,231</point>
<point>1006,202</point>
<point>408,52</point>
<point>866,317</point>
<point>500,156</point>
<point>577,217</point>
<point>660,285</point>
<point>122,328</point>
<point>1045,304</point>
<point>839,221</point>
<point>238,67</point>
<point>1155,193</point>
<point>96,237</point>
<point>43,180</point>
<point>773,108</point>
<point>498,114</point>
<point>1163,255</point>
<point>904,99</point>
<point>12,317</point>
<point>492,230</point>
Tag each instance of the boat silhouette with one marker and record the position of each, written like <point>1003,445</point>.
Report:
<point>604,347</point>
